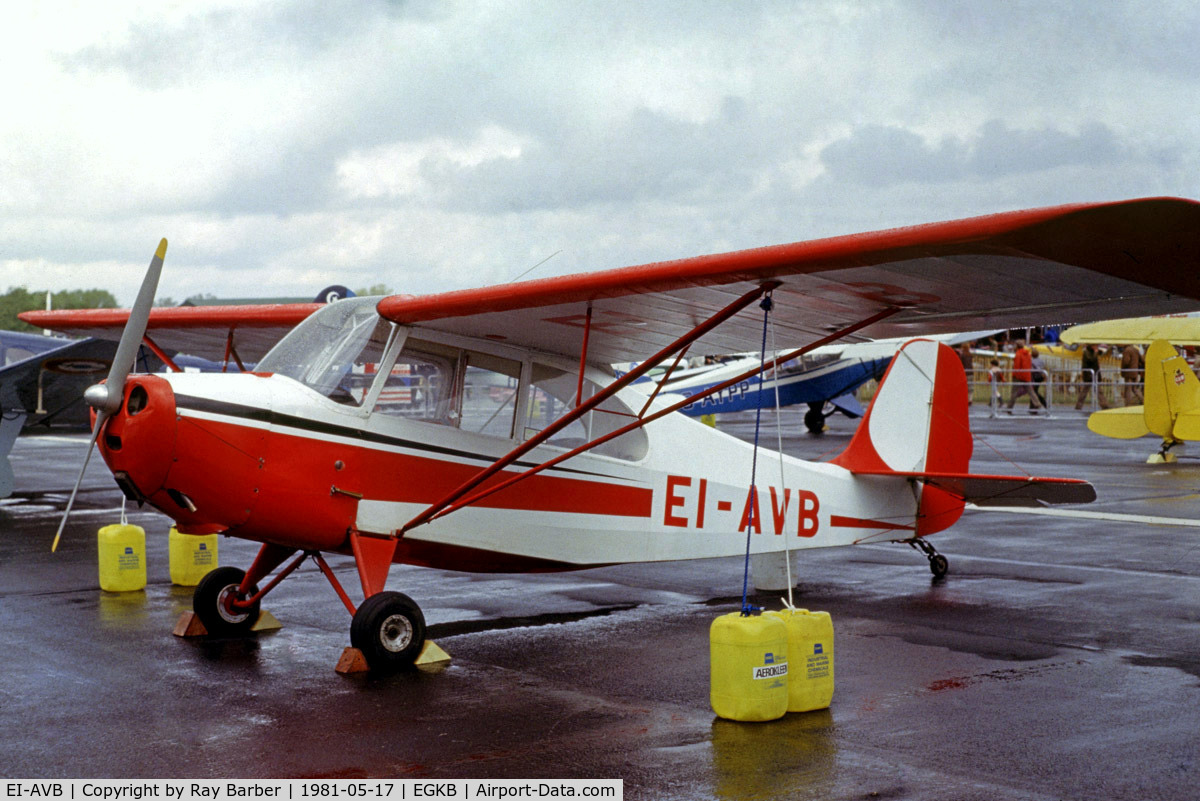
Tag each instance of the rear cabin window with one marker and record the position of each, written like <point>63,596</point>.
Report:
<point>480,393</point>
<point>489,395</point>
<point>553,395</point>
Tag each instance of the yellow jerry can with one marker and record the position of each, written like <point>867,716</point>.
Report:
<point>192,556</point>
<point>810,658</point>
<point>748,667</point>
<point>122,554</point>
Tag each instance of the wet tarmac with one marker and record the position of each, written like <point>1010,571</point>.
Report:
<point>1059,659</point>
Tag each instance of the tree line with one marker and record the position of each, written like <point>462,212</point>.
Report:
<point>19,299</point>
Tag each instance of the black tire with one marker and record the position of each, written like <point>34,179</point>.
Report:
<point>389,629</point>
<point>939,565</point>
<point>210,599</point>
<point>814,421</point>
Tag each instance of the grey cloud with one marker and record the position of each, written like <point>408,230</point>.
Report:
<point>1000,150</point>
<point>877,155</point>
<point>645,156</point>
<point>1077,35</point>
<point>160,54</point>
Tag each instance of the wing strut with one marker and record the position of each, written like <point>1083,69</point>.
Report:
<point>160,353</point>
<point>452,502</point>
<point>589,404</point>
<point>230,350</point>
<point>587,332</point>
<point>662,382</point>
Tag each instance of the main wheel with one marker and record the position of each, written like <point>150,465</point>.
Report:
<point>939,565</point>
<point>389,629</point>
<point>814,421</point>
<point>211,602</point>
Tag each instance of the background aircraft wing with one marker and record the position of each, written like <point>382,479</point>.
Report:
<point>1040,266</point>
<point>1181,329</point>
<point>49,385</point>
<point>196,330</point>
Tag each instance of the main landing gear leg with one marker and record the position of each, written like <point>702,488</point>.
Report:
<point>938,565</point>
<point>388,628</point>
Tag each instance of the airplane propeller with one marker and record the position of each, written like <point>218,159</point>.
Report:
<point>106,398</point>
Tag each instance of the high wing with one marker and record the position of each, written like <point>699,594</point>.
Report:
<point>1040,266</point>
<point>205,331</point>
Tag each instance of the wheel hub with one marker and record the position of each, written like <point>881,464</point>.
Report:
<point>225,605</point>
<point>396,633</point>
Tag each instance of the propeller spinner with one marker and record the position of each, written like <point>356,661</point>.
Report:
<point>106,398</point>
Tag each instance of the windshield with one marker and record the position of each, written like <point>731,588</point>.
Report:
<point>334,350</point>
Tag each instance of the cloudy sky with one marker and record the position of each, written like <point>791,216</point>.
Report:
<point>285,145</point>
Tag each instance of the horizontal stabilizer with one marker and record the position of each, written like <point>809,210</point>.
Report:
<point>849,405</point>
<point>986,491</point>
<point>1125,423</point>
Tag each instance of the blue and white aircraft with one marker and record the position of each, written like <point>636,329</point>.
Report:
<point>826,379</point>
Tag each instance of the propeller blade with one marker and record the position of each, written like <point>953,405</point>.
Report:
<point>101,419</point>
<point>131,338</point>
<point>106,398</point>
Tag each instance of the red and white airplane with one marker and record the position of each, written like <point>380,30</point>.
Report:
<point>483,429</point>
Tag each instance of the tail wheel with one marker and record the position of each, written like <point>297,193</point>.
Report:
<point>938,565</point>
<point>389,629</point>
<point>211,602</point>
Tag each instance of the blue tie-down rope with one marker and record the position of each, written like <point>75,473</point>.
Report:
<point>747,608</point>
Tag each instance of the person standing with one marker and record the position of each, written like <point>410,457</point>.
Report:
<point>1131,373</point>
<point>1037,374</point>
<point>1022,364</point>
<point>995,379</point>
<point>1089,363</point>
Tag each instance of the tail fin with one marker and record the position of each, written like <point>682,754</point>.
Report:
<point>917,427</point>
<point>917,424</point>
<point>1172,391</point>
<point>917,421</point>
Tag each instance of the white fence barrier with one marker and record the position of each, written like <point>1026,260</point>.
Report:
<point>1052,390</point>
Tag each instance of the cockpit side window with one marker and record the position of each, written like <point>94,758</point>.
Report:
<point>444,385</point>
<point>421,385</point>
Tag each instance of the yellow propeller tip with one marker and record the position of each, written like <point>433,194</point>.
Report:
<point>162,249</point>
<point>54,547</point>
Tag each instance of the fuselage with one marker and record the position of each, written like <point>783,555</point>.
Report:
<point>268,457</point>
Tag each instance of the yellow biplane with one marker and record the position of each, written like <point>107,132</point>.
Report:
<point>1171,409</point>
